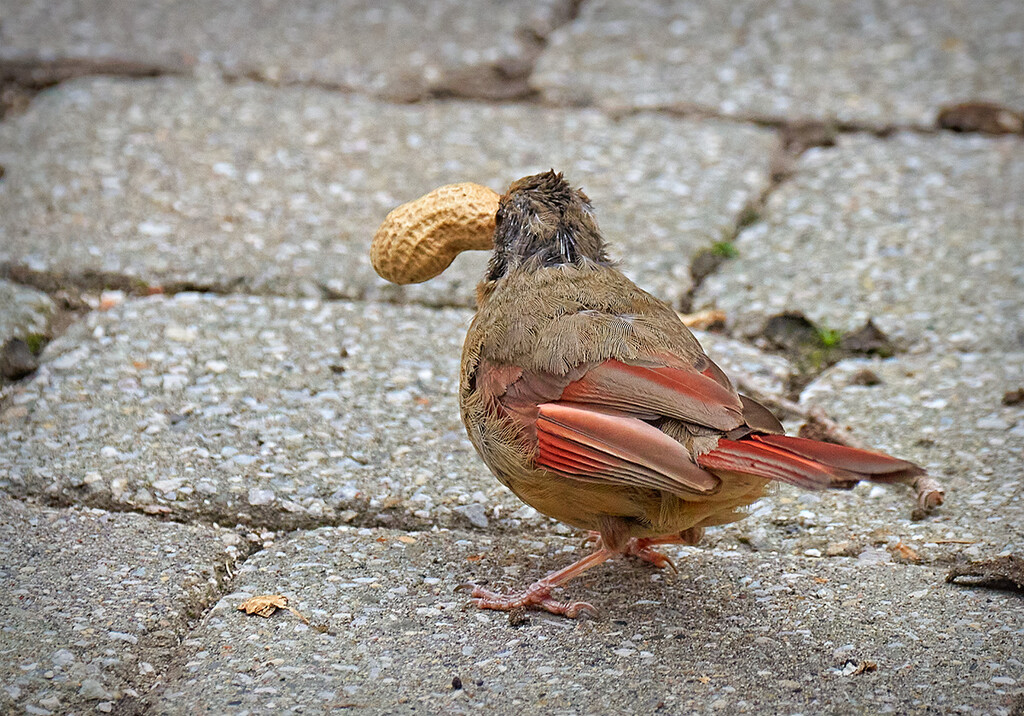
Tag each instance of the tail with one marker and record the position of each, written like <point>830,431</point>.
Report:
<point>806,463</point>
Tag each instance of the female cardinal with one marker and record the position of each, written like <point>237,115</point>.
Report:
<point>591,401</point>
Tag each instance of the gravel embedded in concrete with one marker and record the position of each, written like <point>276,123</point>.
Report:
<point>403,50</point>
<point>271,411</point>
<point>247,409</point>
<point>94,603</point>
<point>920,233</point>
<point>247,188</point>
<point>946,413</point>
<point>732,632</point>
<point>893,62</point>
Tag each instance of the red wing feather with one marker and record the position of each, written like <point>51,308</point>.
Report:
<point>662,391</point>
<point>596,443</point>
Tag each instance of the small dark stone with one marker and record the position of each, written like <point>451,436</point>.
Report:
<point>1013,397</point>
<point>865,376</point>
<point>337,369</point>
<point>790,331</point>
<point>518,617</point>
<point>17,359</point>
<point>985,117</point>
<point>704,263</point>
<point>870,340</point>
<point>456,683</point>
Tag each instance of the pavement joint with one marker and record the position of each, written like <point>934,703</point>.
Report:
<point>31,76</point>
<point>21,80</point>
<point>707,261</point>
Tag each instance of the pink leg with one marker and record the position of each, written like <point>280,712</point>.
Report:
<point>538,594</point>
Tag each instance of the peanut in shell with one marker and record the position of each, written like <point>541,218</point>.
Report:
<point>421,238</point>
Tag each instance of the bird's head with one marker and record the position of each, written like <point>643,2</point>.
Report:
<point>543,222</point>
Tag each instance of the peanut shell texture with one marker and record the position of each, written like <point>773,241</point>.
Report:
<point>419,239</point>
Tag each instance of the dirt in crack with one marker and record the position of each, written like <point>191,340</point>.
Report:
<point>21,80</point>
<point>812,347</point>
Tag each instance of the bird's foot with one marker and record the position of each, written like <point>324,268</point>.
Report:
<point>537,596</point>
<point>642,548</point>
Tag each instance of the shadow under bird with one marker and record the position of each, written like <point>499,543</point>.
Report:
<point>591,401</point>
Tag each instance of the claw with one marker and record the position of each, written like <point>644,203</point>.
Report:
<point>576,609</point>
<point>656,558</point>
<point>536,596</point>
<point>593,537</point>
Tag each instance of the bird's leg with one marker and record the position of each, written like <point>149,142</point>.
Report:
<point>644,547</point>
<point>538,594</point>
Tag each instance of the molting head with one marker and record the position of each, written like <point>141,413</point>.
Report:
<point>542,222</point>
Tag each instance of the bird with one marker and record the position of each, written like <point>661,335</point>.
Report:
<point>592,402</point>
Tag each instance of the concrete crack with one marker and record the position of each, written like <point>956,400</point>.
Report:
<point>21,80</point>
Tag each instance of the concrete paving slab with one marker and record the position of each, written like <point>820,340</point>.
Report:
<point>732,633</point>
<point>278,412</point>
<point>24,312</point>
<point>248,409</point>
<point>864,63</point>
<point>95,602</point>
<point>920,233</point>
<point>242,187</point>
<point>405,49</point>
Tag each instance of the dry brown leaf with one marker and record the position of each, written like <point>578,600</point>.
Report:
<point>1013,397</point>
<point>985,117</point>
<point>905,552</point>
<point>264,605</point>
<point>865,666</point>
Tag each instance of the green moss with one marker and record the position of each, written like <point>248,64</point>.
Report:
<point>725,249</point>
<point>36,342</point>
<point>828,337</point>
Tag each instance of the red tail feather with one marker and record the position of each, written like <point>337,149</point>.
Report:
<point>806,463</point>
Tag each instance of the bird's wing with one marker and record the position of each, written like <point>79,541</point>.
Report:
<point>593,422</point>
<point>659,390</point>
<point>597,444</point>
<point>598,423</point>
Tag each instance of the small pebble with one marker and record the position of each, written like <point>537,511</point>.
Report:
<point>92,690</point>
